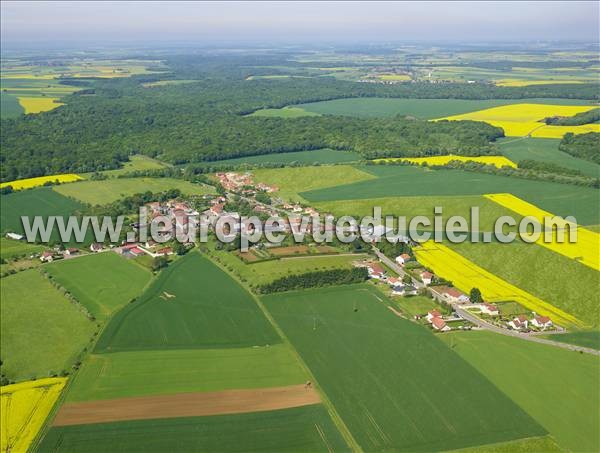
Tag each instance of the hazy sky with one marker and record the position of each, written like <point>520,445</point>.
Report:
<point>279,22</point>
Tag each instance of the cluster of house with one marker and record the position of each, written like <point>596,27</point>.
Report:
<point>243,182</point>
<point>48,256</point>
<point>399,288</point>
<point>522,322</point>
<point>133,250</point>
<point>180,213</point>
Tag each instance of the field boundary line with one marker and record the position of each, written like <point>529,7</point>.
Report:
<point>336,418</point>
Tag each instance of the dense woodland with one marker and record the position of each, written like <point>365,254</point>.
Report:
<point>204,121</point>
<point>583,146</point>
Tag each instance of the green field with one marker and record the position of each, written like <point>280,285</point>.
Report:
<point>554,278</point>
<point>544,444</point>
<point>42,331</point>
<point>545,150</point>
<point>394,384</point>
<point>291,180</point>
<point>138,373</point>
<point>322,156</point>
<point>590,339</point>
<point>557,387</point>
<point>42,201</point>
<point>387,107</point>
<point>307,429</point>
<point>410,181</point>
<point>414,206</point>
<point>268,271</point>
<point>285,112</point>
<point>209,310</point>
<point>103,282</point>
<point>136,162</point>
<point>9,106</point>
<point>109,190</point>
<point>10,248</point>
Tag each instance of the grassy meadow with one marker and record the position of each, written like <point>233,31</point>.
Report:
<point>362,355</point>
<point>306,428</point>
<point>558,388</point>
<point>545,150</point>
<point>137,162</point>
<point>9,106</point>
<point>10,248</point>
<point>192,304</point>
<point>42,331</point>
<point>109,190</point>
<point>139,373</point>
<point>291,181</point>
<point>102,293</point>
<point>588,339</point>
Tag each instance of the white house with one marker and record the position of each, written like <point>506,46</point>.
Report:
<point>426,278</point>
<point>541,322</point>
<point>96,247</point>
<point>402,259</point>
<point>520,322</point>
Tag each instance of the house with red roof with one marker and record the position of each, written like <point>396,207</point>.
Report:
<point>439,324</point>
<point>376,271</point>
<point>432,315</point>
<point>541,322</point>
<point>519,322</point>
<point>426,278</point>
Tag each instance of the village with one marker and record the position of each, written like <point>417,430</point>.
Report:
<point>401,276</point>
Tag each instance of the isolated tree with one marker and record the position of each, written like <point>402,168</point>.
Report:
<point>475,296</point>
<point>407,279</point>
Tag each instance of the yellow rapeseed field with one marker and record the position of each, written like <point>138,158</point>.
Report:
<point>526,83</point>
<point>21,184</point>
<point>38,104</point>
<point>587,248</point>
<point>23,410</point>
<point>466,275</point>
<point>520,120</point>
<point>498,161</point>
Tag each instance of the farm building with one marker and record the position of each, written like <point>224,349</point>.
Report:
<point>15,236</point>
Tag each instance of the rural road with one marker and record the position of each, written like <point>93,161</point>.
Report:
<point>396,268</point>
<point>523,336</point>
<point>486,325</point>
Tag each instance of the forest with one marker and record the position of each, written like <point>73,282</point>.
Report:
<point>203,121</point>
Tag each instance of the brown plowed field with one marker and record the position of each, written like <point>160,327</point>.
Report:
<point>185,405</point>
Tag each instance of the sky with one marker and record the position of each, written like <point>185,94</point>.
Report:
<point>289,22</point>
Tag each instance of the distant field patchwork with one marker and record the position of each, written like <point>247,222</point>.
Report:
<point>521,120</point>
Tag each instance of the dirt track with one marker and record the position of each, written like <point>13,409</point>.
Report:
<point>185,405</point>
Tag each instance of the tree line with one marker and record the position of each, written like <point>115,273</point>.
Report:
<point>316,279</point>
